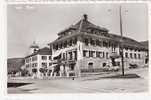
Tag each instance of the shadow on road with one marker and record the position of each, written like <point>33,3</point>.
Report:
<point>126,76</point>
<point>119,76</point>
<point>16,84</point>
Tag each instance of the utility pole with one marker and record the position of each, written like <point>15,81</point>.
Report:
<point>121,40</point>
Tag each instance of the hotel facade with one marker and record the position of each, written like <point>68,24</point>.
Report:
<point>85,47</point>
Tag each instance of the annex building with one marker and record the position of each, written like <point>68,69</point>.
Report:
<point>38,61</point>
<point>86,47</point>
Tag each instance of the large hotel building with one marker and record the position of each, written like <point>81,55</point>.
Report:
<point>85,47</point>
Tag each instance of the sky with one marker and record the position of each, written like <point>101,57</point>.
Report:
<point>42,22</point>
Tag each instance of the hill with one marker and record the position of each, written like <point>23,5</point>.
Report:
<point>14,64</point>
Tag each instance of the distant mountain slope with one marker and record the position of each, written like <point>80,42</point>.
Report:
<point>14,64</point>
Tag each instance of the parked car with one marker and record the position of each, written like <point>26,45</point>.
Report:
<point>132,66</point>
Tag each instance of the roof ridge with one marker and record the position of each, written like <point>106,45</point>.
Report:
<point>85,24</point>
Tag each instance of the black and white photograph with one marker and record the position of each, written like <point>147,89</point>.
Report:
<point>77,48</point>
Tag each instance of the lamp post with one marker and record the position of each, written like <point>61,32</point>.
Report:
<point>121,40</point>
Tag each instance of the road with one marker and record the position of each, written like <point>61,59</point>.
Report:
<point>94,84</point>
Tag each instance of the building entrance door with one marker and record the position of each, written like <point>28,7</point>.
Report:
<point>90,65</point>
<point>71,66</point>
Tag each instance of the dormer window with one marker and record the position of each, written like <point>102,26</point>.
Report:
<point>86,41</point>
<point>69,33</point>
<point>75,40</point>
<point>97,42</point>
<point>70,42</point>
<point>89,30</point>
<point>92,41</point>
<point>57,47</point>
<point>65,44</point>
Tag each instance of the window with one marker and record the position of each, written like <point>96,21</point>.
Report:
<point>54,46</point>
<point>34,65</point>
<point>34,58</point>
<point>44,57</point>
<point>61,45</point>
<point>126,55</point>
<point>103,54</point>
<point>27,66</point>
<point>65,44</point>
<point>27,60</point>
<point>70,55</point>
<point>135,56</point>
<point>70,43</point>
<point>94,55</point>
<point>97,42</point>
<point>107,55</point>
<point>44,64</point>
<point>91,53</point>
<point>100,43</point>
<point>139,56</point>
<point>50,64</point>
<point>109,44</point>
<point>57,47</point>
<point>92,42</point>
<point>104,44</point>
<point>86,41</point>
<point>64,56</point>
<point>131,56</point>
<point>49,57</point>
<point>85,53</point>
<point>75,55</point>
<point>113,47</point>
<point>75,41</point>
<point>98,54</point>
<point>71,66</point>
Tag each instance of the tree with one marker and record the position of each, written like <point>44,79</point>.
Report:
<point>24,72</point>
<point>43,70</point>
<point>57,68</point>
<point>34,70</point>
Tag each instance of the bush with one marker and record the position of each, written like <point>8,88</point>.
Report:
<point>24,72</point>
<point>34,70</point>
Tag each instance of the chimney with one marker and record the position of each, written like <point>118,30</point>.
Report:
<point>85,17</point>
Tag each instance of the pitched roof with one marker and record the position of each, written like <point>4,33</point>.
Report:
<point>83,25</point>
<point>42,51</point>
<point>127,41</point>
<point>145,43</point>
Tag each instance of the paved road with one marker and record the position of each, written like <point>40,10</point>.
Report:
<point>93,84</point>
